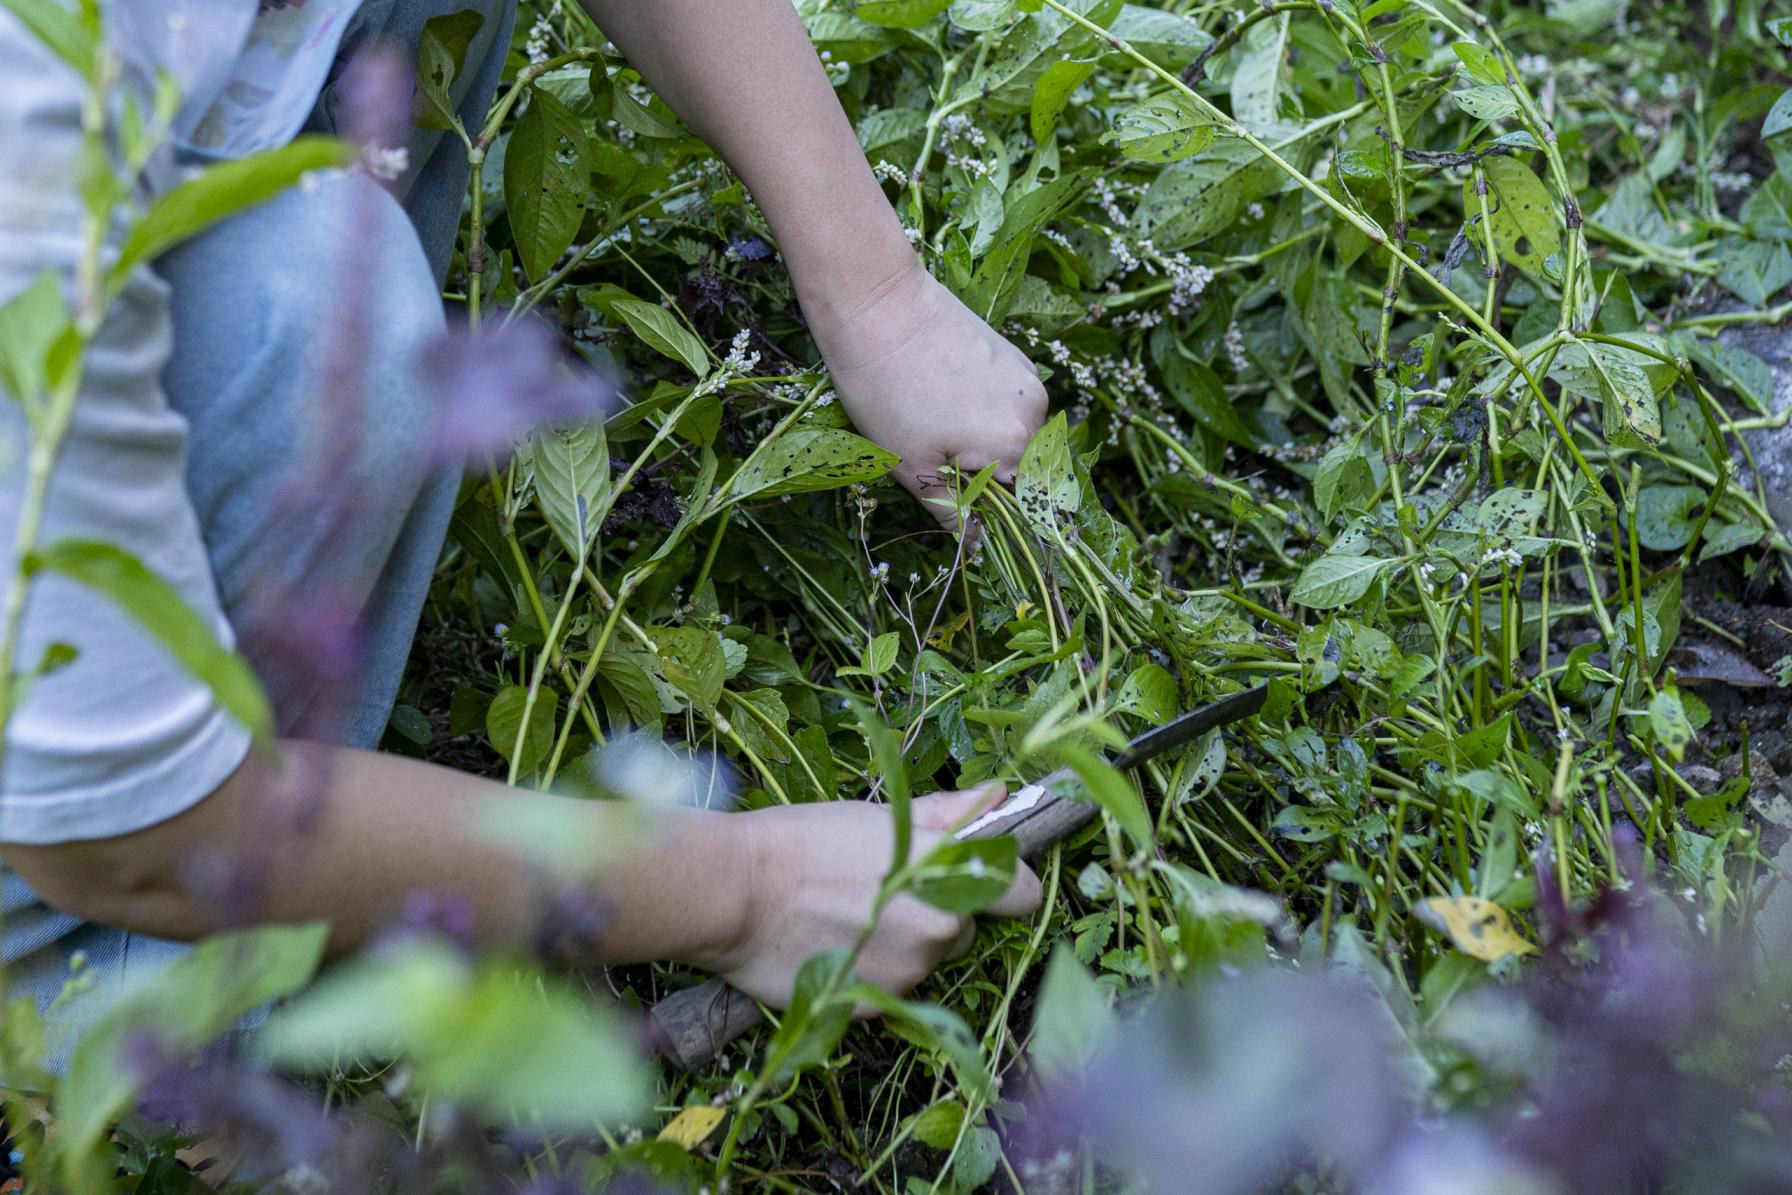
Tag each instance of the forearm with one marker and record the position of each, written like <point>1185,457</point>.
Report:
<point>347,836</point>
<point>744,76</point>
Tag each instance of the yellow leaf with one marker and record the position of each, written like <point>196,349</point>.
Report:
<point>690,1127</point>
<point>1023,608</point>
<point>942,636</point>
<point>1474,926</point>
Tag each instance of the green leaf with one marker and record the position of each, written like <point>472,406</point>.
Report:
<point>1020,55</point>
<point>223,190</point>
<point>504,726</point>
<point>691,658</point>
<point>32,324</point>
<point>1632,414</point>
<point>1754,271</point>
<point>1333,581</point>
<point>1110,790</point>
<point>1669,723</point>
<point>1257,73</point>
<point>751,727</point>
<point>1779,117</point>
<point>965,876</point>
<point>1486,103</point>
<point>1191,200</point>
<point>1057,83</point>
<point>1149,693</point>
<point>1170,39</point>
<point>1667,514</point>
<point>1344,478</point>
<point>1522,215</point>
<point>1482,65</point>
<point>982,16</point>
<point>879,657</point>
<point>939,1124</point>
<point>661,330</point>
<point>547,177</point>
<point>441,56</point>
<point>977,1159</point>
<point>502,1043</point>
<point>1046,485</point>
<point>62,32</point>
<point>1164,128</point>
<point>636,117</point>
<point>1199,391</point>
<point>572,483</point>
<point>808,459</point>
<point>626,672</point>
<point>161,612</point>
<point>898,14</point>
<point>998,275</point>
<point>887,765</point>
<point>1070,1019</point>
<point>186,1005</point>
<point>812,1026</point>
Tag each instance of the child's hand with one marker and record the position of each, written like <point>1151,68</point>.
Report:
<point>921,375</point>
<point>815,873</point>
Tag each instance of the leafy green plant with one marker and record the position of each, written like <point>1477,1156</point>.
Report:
<point>1383,338</point>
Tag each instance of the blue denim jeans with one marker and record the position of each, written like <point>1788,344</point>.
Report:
<point>263,310</point>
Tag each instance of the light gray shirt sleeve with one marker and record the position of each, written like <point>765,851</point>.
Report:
<point>122,737</point>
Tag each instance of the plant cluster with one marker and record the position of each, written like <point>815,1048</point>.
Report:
<point>1384,340</point>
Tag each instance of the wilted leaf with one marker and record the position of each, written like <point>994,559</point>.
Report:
<point>693,1125</point>
<point>1522,213</point>
<point>1474,925</point>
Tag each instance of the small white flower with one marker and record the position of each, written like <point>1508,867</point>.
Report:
<point>1235,348</point>
<point>739,360</point>
<point>386,164</point>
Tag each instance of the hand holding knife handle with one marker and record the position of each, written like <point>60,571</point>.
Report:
<point>692,1026</point>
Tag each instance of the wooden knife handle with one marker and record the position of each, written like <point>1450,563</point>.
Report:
<point>691,1027</point>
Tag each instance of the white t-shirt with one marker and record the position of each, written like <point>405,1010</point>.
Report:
<point>273,82</point>
<point>98,753</point>
<point>248,72</point>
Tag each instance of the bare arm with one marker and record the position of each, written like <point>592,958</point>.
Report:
<point>917,371</point>
<point>345,836</point>
<point>744,76</point>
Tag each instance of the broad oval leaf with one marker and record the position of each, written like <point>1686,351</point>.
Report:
<point>1052,93</point>
<point>524,747</point>
<point>898,14</point>
<point>547,175</point>
<point>1521,213</point>
<point>1333,581</point>
<point>661,329</point>
<point>808,459</point>
<point>572,480</point>
<point>1164,128</point>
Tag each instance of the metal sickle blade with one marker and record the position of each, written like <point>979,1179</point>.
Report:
<point>1196,722</point>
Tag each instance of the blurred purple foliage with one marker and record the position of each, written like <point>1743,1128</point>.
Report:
<point>498,386</point>
<point>1635,1055</point>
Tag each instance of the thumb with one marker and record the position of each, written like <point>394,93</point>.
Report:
<point>947,811</point>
